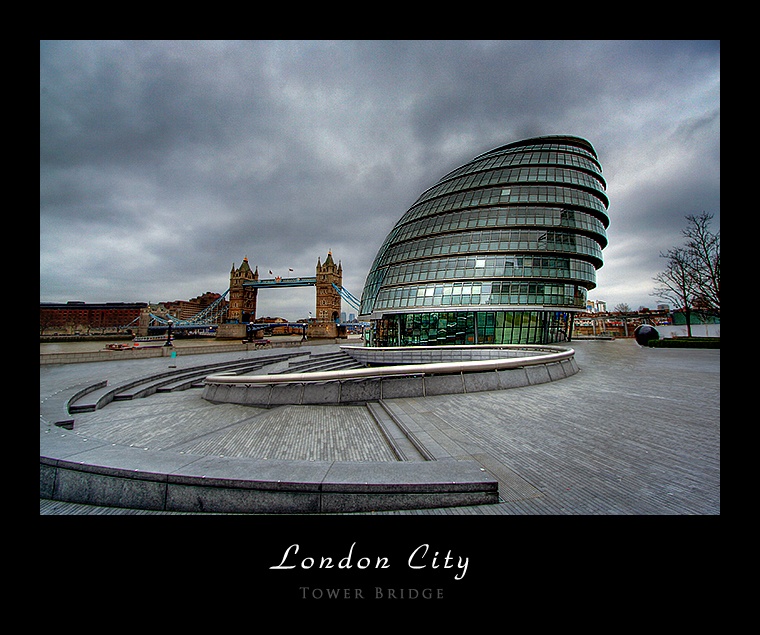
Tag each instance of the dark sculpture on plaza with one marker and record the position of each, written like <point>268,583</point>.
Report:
<point>645,334</point>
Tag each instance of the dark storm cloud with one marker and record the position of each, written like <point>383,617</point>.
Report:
<point>163,163</point>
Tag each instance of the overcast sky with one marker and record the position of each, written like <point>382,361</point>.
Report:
<point>162,163</point>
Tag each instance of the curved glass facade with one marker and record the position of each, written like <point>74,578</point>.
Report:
<point>501,250</point>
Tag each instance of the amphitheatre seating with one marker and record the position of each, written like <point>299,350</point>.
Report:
<point>55,409</point>
<point>86,470</point>
<point>98,395</point>
<point>322,362</point>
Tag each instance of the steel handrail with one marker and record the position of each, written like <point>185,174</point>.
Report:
<point>398,370</point>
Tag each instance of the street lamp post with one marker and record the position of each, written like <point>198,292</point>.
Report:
<point>169,334</point>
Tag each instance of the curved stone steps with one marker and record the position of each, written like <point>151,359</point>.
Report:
<point>101,394</point>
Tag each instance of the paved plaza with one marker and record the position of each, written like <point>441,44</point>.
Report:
<point>635,432</point>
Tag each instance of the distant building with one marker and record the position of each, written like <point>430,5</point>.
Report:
<point>503,249</point>
<point>70,318</point>
<point>186,309</point>
<point>695,317</point>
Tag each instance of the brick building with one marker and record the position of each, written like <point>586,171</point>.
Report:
<point>85,318</point>
<point>186,309</point>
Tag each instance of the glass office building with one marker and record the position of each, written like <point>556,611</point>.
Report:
<point>502,250</point>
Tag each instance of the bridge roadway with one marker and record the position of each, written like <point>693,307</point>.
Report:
<point>635,432</point>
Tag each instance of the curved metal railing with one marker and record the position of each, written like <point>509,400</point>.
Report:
<point>541,354</point>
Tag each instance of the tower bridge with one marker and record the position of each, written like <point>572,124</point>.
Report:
<point>232,315</point>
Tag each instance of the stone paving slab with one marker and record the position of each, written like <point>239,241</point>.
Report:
<point>636,431</point>
<point>76,470</point>
<point>118,456</point>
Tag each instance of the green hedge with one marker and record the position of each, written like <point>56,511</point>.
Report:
<point>685,342</point>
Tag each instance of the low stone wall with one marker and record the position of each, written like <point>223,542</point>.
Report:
<point>160,351</point>
<point>495,369</point>
<point>103,356</point>
<point>99,473</point>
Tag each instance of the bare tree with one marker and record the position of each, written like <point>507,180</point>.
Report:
<point>704,248</point>
<point>692,276</point>
<point>677,283</point>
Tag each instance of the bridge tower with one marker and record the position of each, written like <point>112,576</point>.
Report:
<point>328,300</point>
<point>143,321</point>
<point>242,299</point>
<point>242,307</point>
